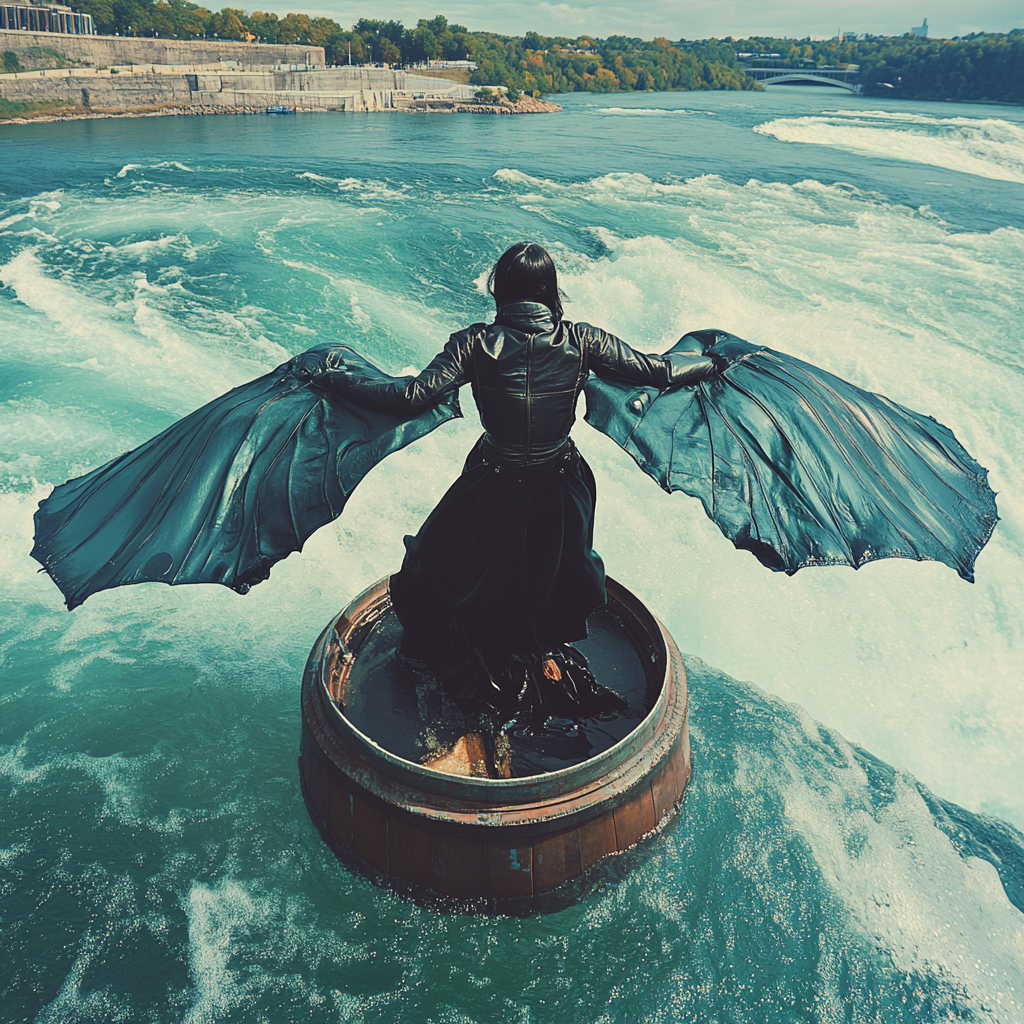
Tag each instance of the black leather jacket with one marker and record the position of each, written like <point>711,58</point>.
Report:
<point>527,372</point>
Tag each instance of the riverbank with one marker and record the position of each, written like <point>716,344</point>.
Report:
<point>68,94</point>
<point>47,113</point>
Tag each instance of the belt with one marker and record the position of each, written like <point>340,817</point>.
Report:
<point>500,455</point>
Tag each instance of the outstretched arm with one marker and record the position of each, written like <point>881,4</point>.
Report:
<point>447,371</point>
<point>612,359</point>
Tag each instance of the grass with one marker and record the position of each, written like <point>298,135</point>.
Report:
<point>11,65</point>
<point>31,108</point>
<point>35,58</point>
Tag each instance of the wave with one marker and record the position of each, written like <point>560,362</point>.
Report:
<point>372,187</point>
<point>986,147</point>
<point>145,762</point>
<point>885,295</point>
<point>650,112</point>
<point>37,207</point>
<point>794,848</point>
<point>160,166</point>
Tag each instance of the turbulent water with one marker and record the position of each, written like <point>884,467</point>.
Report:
<point>156,860</point>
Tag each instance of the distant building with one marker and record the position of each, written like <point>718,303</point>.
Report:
<point>921,30</point>
<point>45,17</point>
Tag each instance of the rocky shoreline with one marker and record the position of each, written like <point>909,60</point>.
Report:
<point>525,105</point>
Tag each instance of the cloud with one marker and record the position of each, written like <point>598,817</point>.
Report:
<point>688,19</point>
<point>566,17</point>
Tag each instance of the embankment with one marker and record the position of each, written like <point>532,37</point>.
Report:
<point>145,89</point>
<point>220,88</point>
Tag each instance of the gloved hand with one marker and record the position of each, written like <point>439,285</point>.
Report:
<point>309,366</point>
<point>721,362</point>
<point>703,343</point>
<point>306,365</point>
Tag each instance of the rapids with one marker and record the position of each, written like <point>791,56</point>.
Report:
<point>156,861</point>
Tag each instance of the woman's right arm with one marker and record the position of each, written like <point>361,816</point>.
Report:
<point>448,370</point>
<point>612,359</point>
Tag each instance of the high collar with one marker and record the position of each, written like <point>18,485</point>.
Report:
<point>525,316</point>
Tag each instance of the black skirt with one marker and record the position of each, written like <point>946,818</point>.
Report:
<point>505,563</point>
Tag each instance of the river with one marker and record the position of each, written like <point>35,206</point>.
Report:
<point>848,849</point>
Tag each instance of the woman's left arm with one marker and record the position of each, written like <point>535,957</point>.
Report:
<point>612,359</point>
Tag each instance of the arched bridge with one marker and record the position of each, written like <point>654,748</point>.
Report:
<point>838,77</point>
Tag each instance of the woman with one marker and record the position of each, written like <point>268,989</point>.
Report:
<point>503,574</point>
<point>795,465</point>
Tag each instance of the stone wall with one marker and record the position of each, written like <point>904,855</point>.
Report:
<point>102,93</point>
<point>109,51</point>
<point>331,89</point>
<point>355,88</point>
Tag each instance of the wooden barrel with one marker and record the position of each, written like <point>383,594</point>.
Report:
<point>498,844</point>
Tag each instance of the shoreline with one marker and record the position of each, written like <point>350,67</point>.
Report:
<point>526,105</point>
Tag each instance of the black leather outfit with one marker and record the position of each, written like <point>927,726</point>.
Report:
<point>526,373</point>
<point>505,565</point>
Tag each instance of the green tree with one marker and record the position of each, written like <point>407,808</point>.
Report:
<point>295,28</point>
<point>264,26</point>
<point>228,24</point>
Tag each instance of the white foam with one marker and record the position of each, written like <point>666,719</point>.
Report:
<point>370,186</point>
<point>218,918</point>
<point>160,166</point>
<point>146,248</point>
<point>72,1004</point>
<point>837,866</point>
<point>650,112</point>
<point>903,881</point>
<point>191,373</point>
<point>244,942</point>
<point>36,206</point>
<point>988,147</point>
<point>903,658</point>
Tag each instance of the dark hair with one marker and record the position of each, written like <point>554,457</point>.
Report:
<point>526,273</point>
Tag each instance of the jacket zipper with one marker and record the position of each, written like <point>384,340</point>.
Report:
<point>529,393</point>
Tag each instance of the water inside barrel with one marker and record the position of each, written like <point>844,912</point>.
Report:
<point>411,716</point>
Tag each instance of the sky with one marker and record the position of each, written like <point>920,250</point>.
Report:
<point>685,19</point>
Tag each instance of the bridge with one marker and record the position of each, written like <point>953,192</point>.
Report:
<point>837,77</point>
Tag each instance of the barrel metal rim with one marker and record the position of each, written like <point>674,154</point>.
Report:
<point>497,791</point>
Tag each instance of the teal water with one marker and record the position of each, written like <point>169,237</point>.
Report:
<point>156,860</point>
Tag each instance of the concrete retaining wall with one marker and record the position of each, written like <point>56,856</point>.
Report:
<point>356,89</point>
<point>107,51</point>
<point>102,93</point>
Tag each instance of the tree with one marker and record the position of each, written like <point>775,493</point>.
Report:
<point>392,30</point>
<point>294,28</point>
<point>228,24</point>
<point>264,26</point>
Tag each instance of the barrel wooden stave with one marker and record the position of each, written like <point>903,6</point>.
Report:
<point>506,858</point>
<point>500,873</point>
